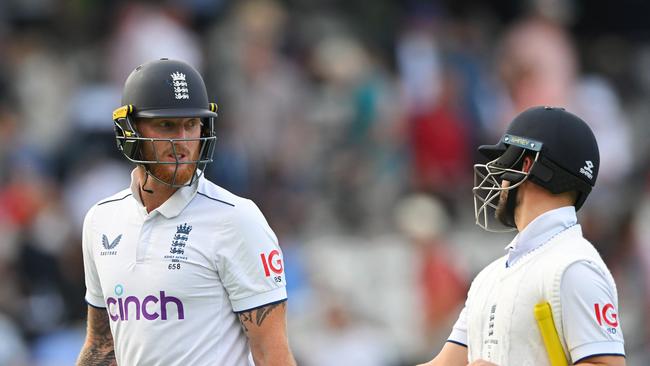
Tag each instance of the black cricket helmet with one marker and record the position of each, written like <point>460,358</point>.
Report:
<point>565,158</point>
<point>164,89</point>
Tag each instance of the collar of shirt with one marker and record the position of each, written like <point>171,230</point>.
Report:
<point>174,204</point>
<point>539,231</point>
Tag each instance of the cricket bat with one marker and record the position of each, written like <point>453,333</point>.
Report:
<point>544,317</point>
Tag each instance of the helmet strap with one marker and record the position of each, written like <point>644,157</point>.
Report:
<point>146,178</point>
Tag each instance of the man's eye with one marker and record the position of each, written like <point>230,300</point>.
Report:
<point>165,124</point>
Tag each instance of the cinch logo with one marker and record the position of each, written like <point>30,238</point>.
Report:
<point>274,265</point>
<point>118,308</point>
<point>606,314</point>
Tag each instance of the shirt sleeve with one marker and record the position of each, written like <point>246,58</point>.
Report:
<point>94,295</point>
<point>459,331</point>
<point>590,312</point>
<point>251,266</point>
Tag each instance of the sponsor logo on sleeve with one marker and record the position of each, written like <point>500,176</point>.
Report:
<point>272,262</point>
<point>606,316</point>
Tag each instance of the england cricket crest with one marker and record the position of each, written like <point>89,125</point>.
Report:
<point>180,86</point>
<point>179,241</point>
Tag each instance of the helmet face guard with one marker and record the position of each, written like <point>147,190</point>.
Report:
<point>488,180</point>
<point>130,144</point>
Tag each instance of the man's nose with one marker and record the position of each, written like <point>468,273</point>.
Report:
<point>181,132</point>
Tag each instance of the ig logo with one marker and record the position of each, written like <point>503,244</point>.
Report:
<point>272,263</point>
<point>607,314</point>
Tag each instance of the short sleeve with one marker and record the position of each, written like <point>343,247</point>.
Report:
<point>459,331</point>
<point>590,312</point>
<point>251,266</point>
<point>94,295</point>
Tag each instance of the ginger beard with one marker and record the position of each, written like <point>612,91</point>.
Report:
<point>185,151</point>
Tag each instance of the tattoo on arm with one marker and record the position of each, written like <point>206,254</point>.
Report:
<point>98,349</point>
<point>257,316</point>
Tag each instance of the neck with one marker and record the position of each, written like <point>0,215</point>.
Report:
<point>534,201</point>
<point>152,192</point>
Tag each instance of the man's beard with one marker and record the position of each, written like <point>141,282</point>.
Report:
<point>169,173</point>
<point>165,172</point>
<point>501,211</point>
<point>508,202</point>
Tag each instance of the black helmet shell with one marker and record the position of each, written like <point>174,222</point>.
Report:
<point>166,88</point>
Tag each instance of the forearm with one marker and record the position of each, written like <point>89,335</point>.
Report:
<point>98,350</point>
<point>95,355</point>
<point>279,357</point>
<point>272,351</point>
<point>603,361</point>
<point>451,354</point>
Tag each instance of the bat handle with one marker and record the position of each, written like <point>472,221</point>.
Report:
<point>544,317</point>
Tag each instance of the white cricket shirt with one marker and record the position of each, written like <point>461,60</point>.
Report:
<point>588,297</point>
<point>172,279</point>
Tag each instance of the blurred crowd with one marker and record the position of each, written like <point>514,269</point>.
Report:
<point>352,124</point>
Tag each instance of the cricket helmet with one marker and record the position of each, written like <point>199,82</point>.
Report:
<point>164,89</point>
<point>565,158</point>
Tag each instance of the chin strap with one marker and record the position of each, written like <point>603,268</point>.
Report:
<point>146,178</point>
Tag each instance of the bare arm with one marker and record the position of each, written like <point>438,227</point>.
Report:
<point>266,328</point>
<point>451,354</point>
<point>98,349</point>
<point>603,361</point>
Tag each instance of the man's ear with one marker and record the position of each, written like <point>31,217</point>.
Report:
<point>528,163</point>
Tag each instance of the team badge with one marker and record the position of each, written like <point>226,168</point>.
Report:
<point>180,239</point>
<point>110,246</point>
<point>178,244</point>
<point>179,84</point>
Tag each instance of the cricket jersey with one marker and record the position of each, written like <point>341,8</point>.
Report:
<point>173,279</point>
<point>549,261</point>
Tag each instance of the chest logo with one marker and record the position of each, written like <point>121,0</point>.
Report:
<point>493,311</point>
<point>180,239</point>
<point>177,247</point>
<point>110,246</point>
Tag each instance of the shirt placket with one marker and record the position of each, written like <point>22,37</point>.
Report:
<point>144,240</point>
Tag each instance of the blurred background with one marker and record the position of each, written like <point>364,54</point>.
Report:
<point>352,124</point>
